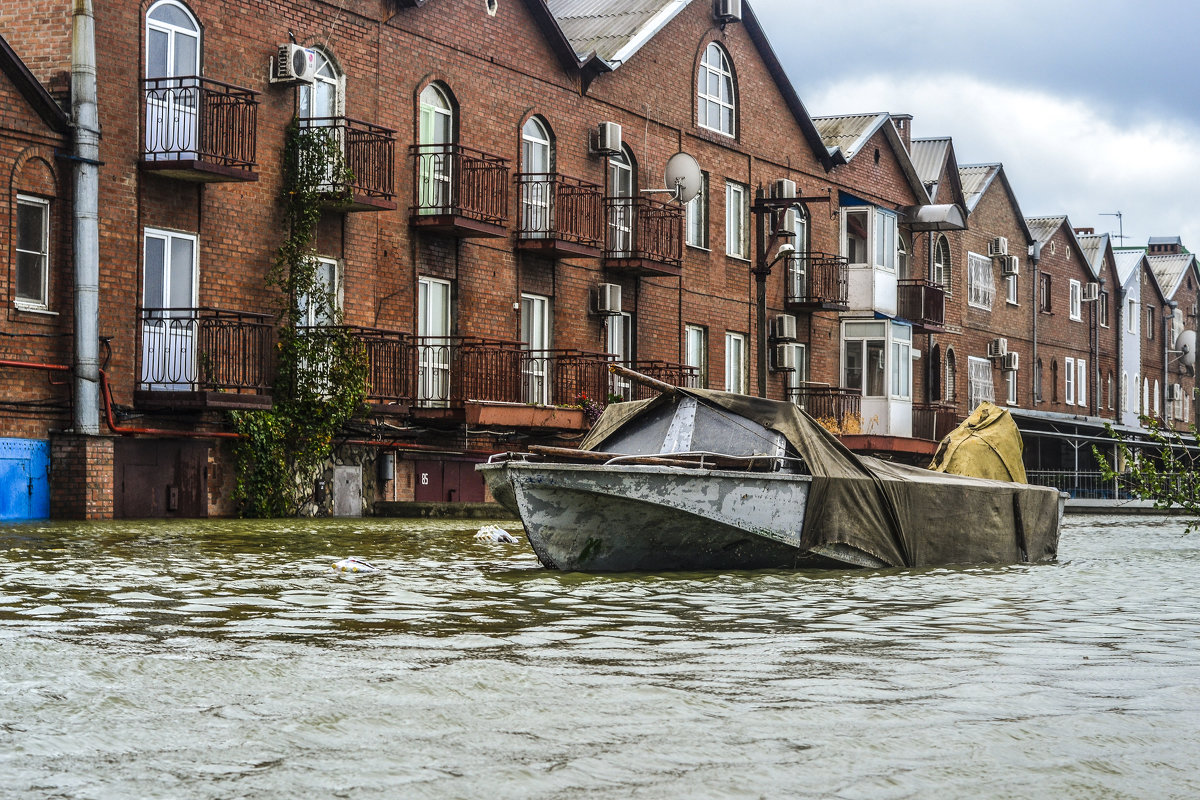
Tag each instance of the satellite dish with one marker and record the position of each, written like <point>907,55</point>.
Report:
<point>683,177</point>
<point>1185,343</point>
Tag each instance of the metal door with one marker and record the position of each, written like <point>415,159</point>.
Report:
<point>24,479</point>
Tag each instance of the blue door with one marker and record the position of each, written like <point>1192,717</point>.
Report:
<point>24,479</point>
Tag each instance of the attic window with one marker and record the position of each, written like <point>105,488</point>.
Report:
<point>714,91</point>
<point>491,6</point>
<point>876,155</point>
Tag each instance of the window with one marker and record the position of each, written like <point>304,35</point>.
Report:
<point>941,263</point>
<point>870,237</point>
<point>796,220</point>
<point>863,358</point>
<point>1010,289</point>
<point>1110,392</point>
<point>537,180</point>
<point>697,216</point>
<point>535,336</point>
<point>903,268</point>
<point>979,379</point>
<point>169,315</point>
<point>885,240</point>
<point>619,338</point>
<point>736,220</point>
<point>735,363</point>
<point>1076,300</point>
<point>981,287</point>
<point>1102,309</point>
<point>695,348</point>
<point>1131,324</point>
<point>323,305</point>
<point>33,252</point>
<point>1012,388</point>
<point>799,376</point>
<point>433,344</point>
<point>1053,381</point>
<point>1081,382</point>
<point>856,225</point>
<point>1151,314</point>
<point>1039,376</point>
<point>1069,385</point>
<point>435,137</point>
<point>951,390</point>
<point>1157,395</point>
<point>901,362</point>
<point>1045,296</point>
<point>714,91</point>
<point>621,211</point>
<point>172,66</point>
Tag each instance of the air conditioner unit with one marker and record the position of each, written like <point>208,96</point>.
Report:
<point>1174,393</point>
<point>293,64</point>
<point>1010,265</point>
<point>997,348</point>
<point>607,141</point>
<point>727,10</point>
<point>784,357</point>
<point>998,247</point>
<point>1091,291</point>
<point>783,328</point>
<point>1010,362</point>
<point>607,299</point>
<point>783,188</point>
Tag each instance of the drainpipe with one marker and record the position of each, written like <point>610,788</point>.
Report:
<point>1035,255</point>
<point>1168,318</point>
<point>86,127</point>
<point>1121,389</point>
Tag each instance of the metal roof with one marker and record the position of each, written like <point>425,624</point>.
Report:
<point>613,29</point>
<point>1043,228</point>
<point>1127,264</point>
<point>849,132</point>
<point>1165,240</point>
<point>975,180</point>
<point>929,157</point>
<point>1169,270</point>
<point>1093,246</point>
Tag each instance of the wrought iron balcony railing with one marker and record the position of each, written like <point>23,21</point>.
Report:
<point>665,371</point>
<point>817,280</point>
<point>646,231</point>
<point>454,186</point>
<point>922,303</point>
<point>838,409</point>
<point>933,420</point>
<point>206,349</point>
<point>359,156</point>
<point>200,129</point>
<point>556,208</point>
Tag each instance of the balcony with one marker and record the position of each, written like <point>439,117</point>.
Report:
<point>837,410</point>
<point>933,421</point>
<point>923,303</point>
<point>357,161</point>
<point>643,236</point>
<point>385,351</point>
<point>816,282</point>
<point>458,191</point>
<point>204,358</point>
<point>200,130</point>
<point>560,216</point>
<point>665,371</point>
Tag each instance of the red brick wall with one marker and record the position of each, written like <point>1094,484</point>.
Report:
<point>81,482</point>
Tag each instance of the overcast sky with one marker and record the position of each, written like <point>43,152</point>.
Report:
<point>1091,106</point>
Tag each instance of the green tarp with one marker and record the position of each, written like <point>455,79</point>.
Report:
<point>904,516</point>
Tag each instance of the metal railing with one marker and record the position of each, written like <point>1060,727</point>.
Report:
<point>817,279</point>
<point>206,349</point>
<point>830,405</point>
<point>384,352</point>
<point>1083,485</point>
<point>933,420</point>
<point>555,206</point>
<point>198,119</point>
<point>643,228</point>
<point>920,301</point>
<point>666,371</point>
<point>367,153</point>
<point>449,179</point>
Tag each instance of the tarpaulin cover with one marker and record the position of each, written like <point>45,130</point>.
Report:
<point>904,516</point>
<point>986,445</point>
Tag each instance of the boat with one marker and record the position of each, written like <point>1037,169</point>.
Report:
<point>696,479</point>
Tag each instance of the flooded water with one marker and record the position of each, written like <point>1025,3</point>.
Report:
<point>225,659</point>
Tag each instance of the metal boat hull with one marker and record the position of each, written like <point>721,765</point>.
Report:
<point>605,519</point>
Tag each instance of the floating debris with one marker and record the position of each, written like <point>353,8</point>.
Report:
<point>494,533</point>
<point>354,564</point>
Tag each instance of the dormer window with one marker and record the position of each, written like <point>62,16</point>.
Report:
<point>714,91</point>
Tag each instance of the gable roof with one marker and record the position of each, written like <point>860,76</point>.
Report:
<point>606,33</point>
<point>929,159</point>
<point>976,179</point>
<point>1044,228</point>
<point>846,135</point>
<point>1094,245</point>
<point>1127,262</point>
<point>1169,269</point>
<point>32,89</point>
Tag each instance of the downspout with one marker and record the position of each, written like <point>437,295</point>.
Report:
<point>86,127</point>
<point>1122,385</point>
<point>1035,255</point>
<point>1168,318</point>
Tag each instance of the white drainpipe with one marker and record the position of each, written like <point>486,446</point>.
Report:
<point>86,126</point>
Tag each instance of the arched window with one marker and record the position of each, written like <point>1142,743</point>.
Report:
<point>537,180</point>
<point>1054,380</point>
<point>322,99</point>
<point>941,263</point>
<point>1111,399</point>
<point>714,91</point>
<point>172,88</point>
<point>935,374</point>
<point>951,377</point>
<point>622,180</point>
<point>902,266</point>
<point>436,139</point>
<point>1126,404</point>
<point>1039,376</point>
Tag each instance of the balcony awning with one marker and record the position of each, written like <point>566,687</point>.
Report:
<point>943,217</point>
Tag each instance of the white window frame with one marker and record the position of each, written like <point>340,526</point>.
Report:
<point>1081,382</point>
<point>537,195</point>
<point>900,370</point>
<point>737,212</point>
<point>537,323</point>
<point>796,378</point>
<point>312,314</point>
<point>42,254</point>
<point>1076,304</point>
<point>720,71</point>
<point>1010,290</point>
<point>695,349</point>
<point>1011,398</point>
<point>1069,381</point>
<point>735,362</point>
<point>886,234</point>
<point>1133,316</point>
<point>868,241</point>
<point>618,342</point>
<point>941,268</point>
<point>433,351</point>
<point>981,282</point>
<point>1102,309</point>
<point>697,217</point>
<point>862,337</point>
<point>979,382</point>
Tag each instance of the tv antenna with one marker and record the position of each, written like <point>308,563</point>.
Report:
<point>1120,223</point>
<point>683,178</point>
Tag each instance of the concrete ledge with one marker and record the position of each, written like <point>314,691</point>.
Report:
<point>1142,507</point>
<point>443,510</point>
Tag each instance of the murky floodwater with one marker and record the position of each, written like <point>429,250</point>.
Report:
<point>224,659</point>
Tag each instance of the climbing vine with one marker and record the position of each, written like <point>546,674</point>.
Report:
<point>320,379</point>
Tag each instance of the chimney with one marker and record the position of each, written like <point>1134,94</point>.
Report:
<point>1085,231</point>
<point>903,123</point>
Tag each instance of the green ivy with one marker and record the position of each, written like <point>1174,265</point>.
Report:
<point>320,380</point>
<point>1165,471</point>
